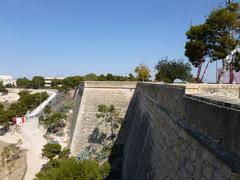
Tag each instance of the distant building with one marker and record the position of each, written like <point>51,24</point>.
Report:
<point>48,80</point>
<point>7,79</point>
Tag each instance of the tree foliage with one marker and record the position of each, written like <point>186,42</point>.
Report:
<point>196,49</point>
<point>105,169</point>
<point>109,115</point>
<point>47,109</point>
<point>214,39</point>
<point>51,150</point>
<point>62,167</point>
<point>143,72</point>
<point>64,154</point>
<point>54,122</point>
<point>236,62</point>
<point>169,70</point>
<point>27,102</point>
<point>222,22</point>
<point>72,81</point>
<point>2,88</point>
<point>71,169</point>
<point>24,83</point>
<point>111,77</point>
<point>91,77</point>
<point>37,82</point>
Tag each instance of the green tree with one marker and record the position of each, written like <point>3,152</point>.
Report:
<point>109,115</point>
<point>72,81</point>
<point>23,83</point>
<point>51,150</point>
<point>197,49</point>
<point>143,72</point>
<point>71,169</point>
<point>105,169</point>
<point>54,122</point>
<point>91,77</point>
<point>64,154</point>
<point>102,77</point>
<point>236,62</point>
<point>2,88</point>
<point>37,82</point>
<point>214,39</point>
<point>56,82</point>
<point>30,101</point>
<point>222,23</point>
<point>1,107</point>
<point>47,109</point>
<point>27,102</point>
<point>110,77</point>
<point>169,70</point>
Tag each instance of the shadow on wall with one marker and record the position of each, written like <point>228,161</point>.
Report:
<point>116,157</point>
<point>158,140</point>
<point>133,149</point>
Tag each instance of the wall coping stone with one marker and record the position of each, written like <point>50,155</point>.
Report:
<point>110,84</point>
<point>230,105</point>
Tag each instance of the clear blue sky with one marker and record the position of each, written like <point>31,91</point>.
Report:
<point>68,37</point>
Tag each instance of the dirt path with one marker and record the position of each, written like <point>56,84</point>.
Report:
<point>32,140</point>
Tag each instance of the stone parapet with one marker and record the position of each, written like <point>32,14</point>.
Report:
<point>162,142</point>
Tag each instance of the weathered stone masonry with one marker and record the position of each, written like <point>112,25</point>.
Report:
<point>163,142</point>
<point>91,95</point>
<point>167,134</point>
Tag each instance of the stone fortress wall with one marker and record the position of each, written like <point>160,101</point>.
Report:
<point>90,95</point>
<point>170,131</point>
<point>174,135</point>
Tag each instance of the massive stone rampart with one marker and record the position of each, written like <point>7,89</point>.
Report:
<point>171,136</point>
<point>169,132</point>
<point>90,95</point>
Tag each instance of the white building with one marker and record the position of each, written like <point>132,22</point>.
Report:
<point>7,79</point>
<point>48,80</point>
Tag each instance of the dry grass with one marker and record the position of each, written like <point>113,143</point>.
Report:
<point>12,161</point>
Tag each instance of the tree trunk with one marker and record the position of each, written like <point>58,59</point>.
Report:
<point>204,71</point>
<point>231,71</point>
<point>199,70</point>
<point>222,72</point>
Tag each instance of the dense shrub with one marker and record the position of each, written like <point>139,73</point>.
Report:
<point>53,122</point>
<point>3,90</point>
<point>70,169</point>
<point>105,169</point>
<point>47,109</point>
<point>51,150</point>
<point>27,102</point>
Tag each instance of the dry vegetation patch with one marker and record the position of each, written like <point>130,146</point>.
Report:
<point>12,161</point>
